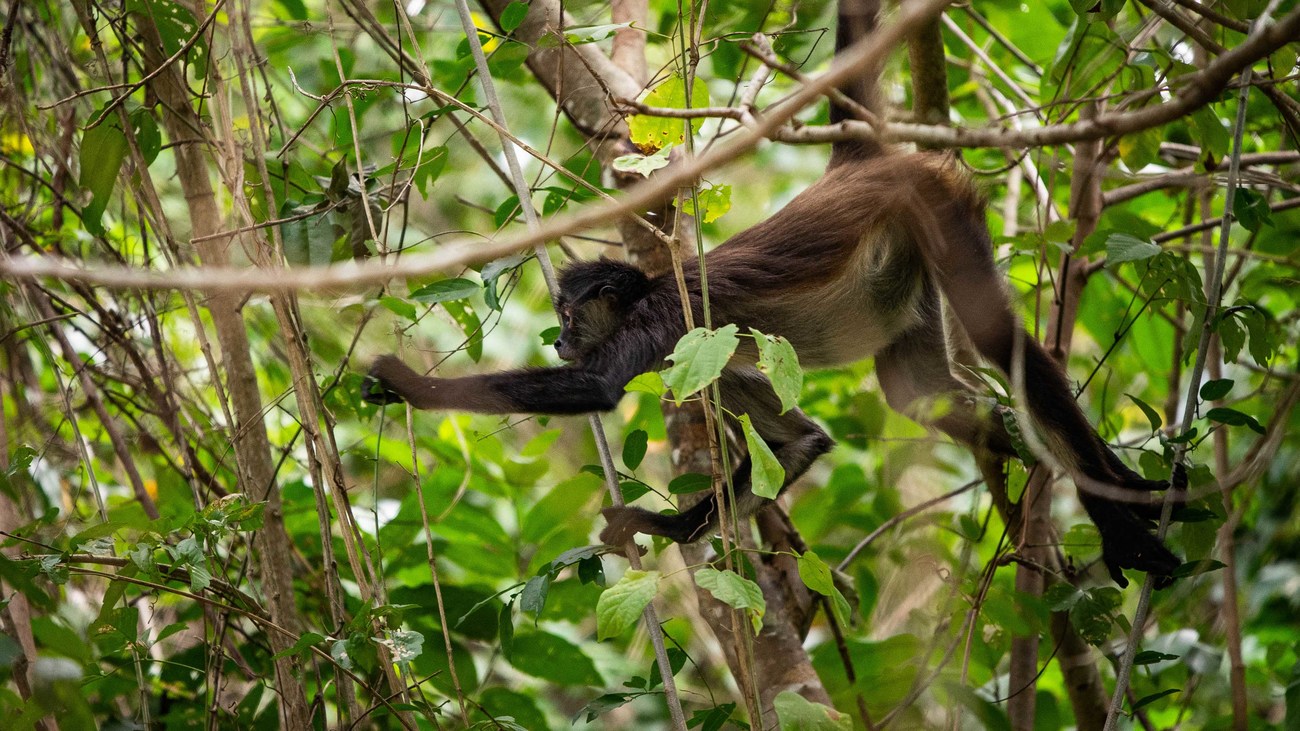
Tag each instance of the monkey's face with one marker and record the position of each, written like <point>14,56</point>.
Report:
<point>585,325</point>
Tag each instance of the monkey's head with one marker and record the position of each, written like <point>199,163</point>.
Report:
<point>595,297</point>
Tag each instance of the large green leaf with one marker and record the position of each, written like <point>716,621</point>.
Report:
<point>655,133</point>
<point>698,360</point>
<point>620,606</point>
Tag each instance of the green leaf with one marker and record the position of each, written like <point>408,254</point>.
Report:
<point>445,290</point>
<point>580,34</point>
<point>818,576</point>
<point>1210,132</point>
<point>651,383</point>
<point>103,148</point>
<point>711,719</point>
<point>1216,389</point>
<point>601,705</point>
<point>1081,538</point>
<point>767,476</point>
<point>399,307</point>
<point>469,323</point>
<point>296,9</point>
<point>506,629</point>
<point>698,360</point>
<point>147,136</point>
<point>1062,597</point>
<point>1196,568</point>
<point>656,133</point>
<point>1264,336</point>
<point>634,447</point>
<point>777,359</point>
<point>1147,700</point>
<point>1232,417</point>
<point>1123,247</point>
<point>404,645</point>
<point>676,661</point>
<point>508,211</point>
<point>176,27</point>
<point>553,658</point>
<point>714,200</point>
<point>796,712</point>
<point>640,164</point>
<point>1151,657</point>
<point>689,482</point>
<point>620,606</point>
<point>1153,416</point>
<point>1140,149</point>
<point>533,598</point>
<point>591,571</point>
<point>301,648</point>
<point>1251,209</point>
<point>735,591</point>
<point>432,162</point>
<point>492,271</point>
<point>513,15</point>
<point>1087,55</point>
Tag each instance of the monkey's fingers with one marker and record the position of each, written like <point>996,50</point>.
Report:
<point>1141,551</point>
<point>374,391</point>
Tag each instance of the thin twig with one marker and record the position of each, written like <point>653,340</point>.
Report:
<point>457,255</point>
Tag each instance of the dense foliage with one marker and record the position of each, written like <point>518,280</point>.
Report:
<point>205,526</point>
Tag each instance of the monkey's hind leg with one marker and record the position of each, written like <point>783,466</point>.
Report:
<point>795,440</point>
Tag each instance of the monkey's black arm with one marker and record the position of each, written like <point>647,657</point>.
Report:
<point>595,384</point>
<point>794,439</point>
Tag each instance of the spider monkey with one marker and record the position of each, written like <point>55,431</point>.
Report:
<point>857,265</point>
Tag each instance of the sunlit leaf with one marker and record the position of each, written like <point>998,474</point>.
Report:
<point>698,360</point>
<point>620,606</point>
<point>655,133</point>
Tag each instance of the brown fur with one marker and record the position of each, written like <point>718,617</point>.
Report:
<point>855,266</point>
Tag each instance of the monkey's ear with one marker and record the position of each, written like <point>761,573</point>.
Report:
<point>609,292</point>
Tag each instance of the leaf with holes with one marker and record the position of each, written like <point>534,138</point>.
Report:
<point>777,359</point>
<point>655,133</point>
<point>698,360</point>
<point>715,201</point>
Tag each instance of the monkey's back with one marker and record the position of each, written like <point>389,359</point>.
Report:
<point>838,271</point>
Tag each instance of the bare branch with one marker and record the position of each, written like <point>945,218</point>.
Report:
<point>464,252</point>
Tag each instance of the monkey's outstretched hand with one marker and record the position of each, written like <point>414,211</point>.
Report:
<point>1126,538</point>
